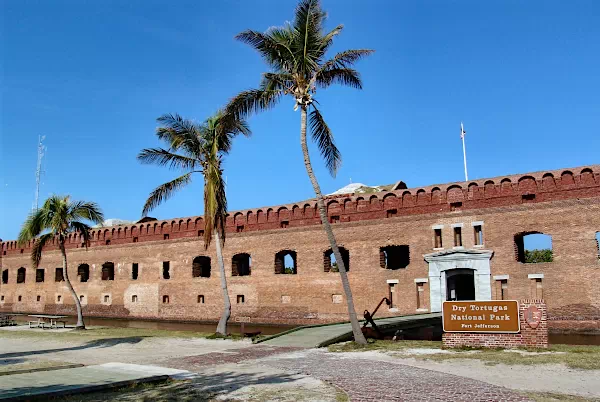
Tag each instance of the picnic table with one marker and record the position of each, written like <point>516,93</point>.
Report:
<point>51,321</point>
<point>8,319</point>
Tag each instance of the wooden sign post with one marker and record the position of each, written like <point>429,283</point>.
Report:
<point>242,321</point>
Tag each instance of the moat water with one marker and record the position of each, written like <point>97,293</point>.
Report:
<point>264,329</point>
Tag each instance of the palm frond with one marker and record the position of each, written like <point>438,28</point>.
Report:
<point>252,101</point>
<point>35,224</point>
<point>344,76</point>
<point>178,132</point>
<point>215,202</point>
<point>85,210</point>
<point>323,136</point>
<point>346,58</point>
<point>308,24</point>
<point>274,46</point>
<point>163,157</point>
<point>165,191</point>
<point>83,229</point>
<point>327,39</point>
<point>38,245</point>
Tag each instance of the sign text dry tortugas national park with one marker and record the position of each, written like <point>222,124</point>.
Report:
<point>418,246</point>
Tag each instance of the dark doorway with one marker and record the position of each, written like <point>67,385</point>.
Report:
<point>460,284</point>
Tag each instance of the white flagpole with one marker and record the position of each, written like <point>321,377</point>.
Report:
<point>462,136</point>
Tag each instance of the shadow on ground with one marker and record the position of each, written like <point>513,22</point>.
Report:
<point>204,387</point>
<point>98,343</point>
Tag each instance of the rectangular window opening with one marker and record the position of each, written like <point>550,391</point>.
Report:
<point>134,271</point>
<point>134,299</point>
<point>391,213</point>
<point>438,238</point>
<point>478,229</point>
<point>39,275</point>
<point>58,275</point>
<point>458,237</point>
<point>504,289</point>
<point>334,219</point>
<point>106,298</point>
<point>201,299</point>
<point>166,236</point>
<point>539,288</point>
<point>454,206</point>
<point>135,239</point>
<point>39,298</point>
<point>200,233</point>
<point>240,299</point>
<point>284,224</point>
<point>166,270</point>
<point>420,296</point>
<point>165,299</point>
<point>391,291</point>
<point>239,228</point>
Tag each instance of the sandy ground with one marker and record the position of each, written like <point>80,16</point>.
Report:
<point>552,378</point>
<point>241,381</point>
<point>251,380</point>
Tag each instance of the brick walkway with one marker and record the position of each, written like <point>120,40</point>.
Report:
<point>370,380</point>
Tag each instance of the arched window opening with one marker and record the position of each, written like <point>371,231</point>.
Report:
<point>108,271</point>
<point>201,267</point>
<point>21,275</point>
<point>83,272</point>
<point>285,262</point>
<point>394,257</point>
<point>241,264</point>
<point>533,247</point>
<point>330,264</point>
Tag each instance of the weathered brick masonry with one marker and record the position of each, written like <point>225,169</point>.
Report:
<point>564,204</point>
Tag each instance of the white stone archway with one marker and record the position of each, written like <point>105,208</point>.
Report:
<point>442,261</point>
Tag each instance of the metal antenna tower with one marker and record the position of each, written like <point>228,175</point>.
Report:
<point>38,170</point>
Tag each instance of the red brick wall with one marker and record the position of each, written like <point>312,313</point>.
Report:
<point>570,212</point>
<point>528,337</point>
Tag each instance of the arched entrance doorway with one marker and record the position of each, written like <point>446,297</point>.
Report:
<point>460,284</point>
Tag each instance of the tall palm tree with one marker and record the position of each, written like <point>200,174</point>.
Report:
<point>198,148</point>
<point>58,217</point>
<point>296,54</point>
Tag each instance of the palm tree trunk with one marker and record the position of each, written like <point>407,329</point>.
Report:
<point>222,326</point>
<point>358,335</point>
<point>80,323</point>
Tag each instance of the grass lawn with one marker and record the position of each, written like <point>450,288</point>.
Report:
<point>573,356</point>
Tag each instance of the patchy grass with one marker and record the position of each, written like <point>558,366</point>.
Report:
<point>17,364</point>
<point>574,356</point>
<point>386,346</point>
<point>552,397</point>
<point>109,332</point>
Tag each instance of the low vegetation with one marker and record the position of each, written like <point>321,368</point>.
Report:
<point>573,356</point>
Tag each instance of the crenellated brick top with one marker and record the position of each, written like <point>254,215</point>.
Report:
<point>581,182</point>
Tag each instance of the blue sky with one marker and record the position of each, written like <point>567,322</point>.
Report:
<point>94,75</point>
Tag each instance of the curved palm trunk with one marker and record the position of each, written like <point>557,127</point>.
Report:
<point>80,324</point>
<point>222,326</point>
<point>358,335</point>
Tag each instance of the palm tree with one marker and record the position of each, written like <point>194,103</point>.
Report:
<point>295,54</point>
<point>198,148</point>
<point>58,217</point>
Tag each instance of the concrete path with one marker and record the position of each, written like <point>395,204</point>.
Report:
<point>82,379</point>
<point>319,336</point>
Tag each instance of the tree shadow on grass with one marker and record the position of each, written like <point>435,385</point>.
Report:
<point>203,387</point>
<point>97,343</point>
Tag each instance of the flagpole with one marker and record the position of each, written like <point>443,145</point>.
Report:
<point>462,136</point>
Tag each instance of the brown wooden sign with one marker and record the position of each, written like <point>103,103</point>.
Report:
<point>494,316</point>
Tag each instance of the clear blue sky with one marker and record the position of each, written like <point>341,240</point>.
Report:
<point>93,76</point>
